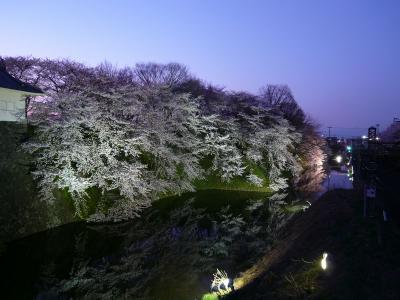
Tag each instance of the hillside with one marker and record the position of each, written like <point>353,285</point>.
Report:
<point>106,142</point>
<point>362,253</point>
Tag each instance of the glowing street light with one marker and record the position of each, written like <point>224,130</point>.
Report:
<point>364,137</point>
<point>324,264</point>
<point>339,159</point>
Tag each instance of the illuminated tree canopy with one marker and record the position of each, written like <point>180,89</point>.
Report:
<point>114,140</point>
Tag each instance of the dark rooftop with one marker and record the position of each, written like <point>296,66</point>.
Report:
<point>9,82</point>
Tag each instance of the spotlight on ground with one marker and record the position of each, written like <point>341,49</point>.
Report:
<point>324,264</point>
<point>221,284</point>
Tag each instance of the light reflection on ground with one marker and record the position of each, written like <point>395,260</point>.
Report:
<point>336,180</point>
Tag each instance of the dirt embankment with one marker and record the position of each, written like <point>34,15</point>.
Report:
<point>362,256</point>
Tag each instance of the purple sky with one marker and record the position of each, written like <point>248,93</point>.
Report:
<point>340,58</point>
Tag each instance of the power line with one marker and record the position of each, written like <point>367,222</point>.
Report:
<point>329,130</point>
<point>347,127</point>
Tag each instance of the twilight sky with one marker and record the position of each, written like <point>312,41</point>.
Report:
<point>340,58</point>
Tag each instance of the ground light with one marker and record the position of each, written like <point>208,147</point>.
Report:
<point>339,159</point>
<point>221,285</point>
<point>324,264</point>
<point>210,297</point>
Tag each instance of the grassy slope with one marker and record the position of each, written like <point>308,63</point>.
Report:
<point>22,213</point>
<point>363,256</point>
<point>239,183</point>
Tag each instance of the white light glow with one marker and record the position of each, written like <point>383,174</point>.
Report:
<point>364,137</point>
<point>226,282</point>
<point>339,159</point>
<point>324,264</point>
<point>220,284</point>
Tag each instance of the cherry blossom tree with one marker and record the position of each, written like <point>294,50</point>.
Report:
<point>114,140</point>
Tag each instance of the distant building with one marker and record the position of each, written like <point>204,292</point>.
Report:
<point>13,96</point>
<point>392,133</point>
<point>371,133</point>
